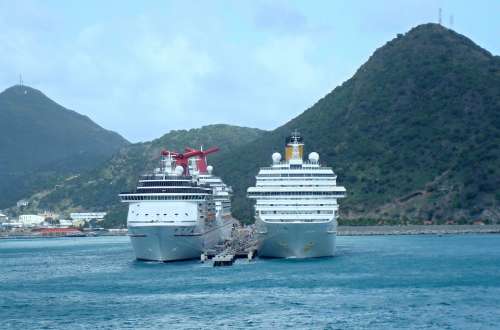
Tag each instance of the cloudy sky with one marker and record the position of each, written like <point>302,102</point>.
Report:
<point>143,68</point>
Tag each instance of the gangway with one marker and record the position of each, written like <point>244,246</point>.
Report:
<point>241,245</point>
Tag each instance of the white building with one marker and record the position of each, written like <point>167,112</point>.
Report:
<point>31,219</point>
<point>22,203</point>
<point>87,216</point>
<point>3,218</point>
<point>49,214</point>
<point>65,223</point>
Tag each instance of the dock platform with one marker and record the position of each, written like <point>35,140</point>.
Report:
<point>241,245</point>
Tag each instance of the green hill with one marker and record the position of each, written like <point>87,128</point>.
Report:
<point>414,135</point>
<point>98,189</point>
<point>42,141</point>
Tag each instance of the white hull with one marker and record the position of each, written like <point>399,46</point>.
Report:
<point>296,240</point>
<point>180,210</point>
<point>173,242</point>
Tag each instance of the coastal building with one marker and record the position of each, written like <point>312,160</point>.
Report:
<point>65,223</point>
<point>78,223</point>
<point>31,219</point>
<point>49,215</point>
<point>11,224</point>
<point>3,218</point>
<point>22,203</point>
<point>87,216</point>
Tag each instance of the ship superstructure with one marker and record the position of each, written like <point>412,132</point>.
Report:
<point>296,205</point>
<point>173,212</point>
<point>221,192</point>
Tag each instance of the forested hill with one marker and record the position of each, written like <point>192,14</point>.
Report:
<point>414,135</point>
<point>98,189</point>
<point>41,140</point>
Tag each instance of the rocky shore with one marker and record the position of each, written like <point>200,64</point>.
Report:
<point>417,230</point>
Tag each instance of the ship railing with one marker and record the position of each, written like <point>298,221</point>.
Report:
<point>297,220</point>
<point>164,177</point>
<point>296,168</point>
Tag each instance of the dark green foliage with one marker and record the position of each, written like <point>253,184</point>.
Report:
<point>116,217</point>
<point>421,118</point>
<point>414,135</point>
<point>42,141</point>
<point>98,189</point>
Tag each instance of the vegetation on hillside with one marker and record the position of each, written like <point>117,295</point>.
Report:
<point>42,142</point>
<point>414,135</point>
<point>98,189</point>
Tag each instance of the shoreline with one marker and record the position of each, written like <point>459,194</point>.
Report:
<point>417,230</point>
<point>341,231</point>
<point>31,235</point>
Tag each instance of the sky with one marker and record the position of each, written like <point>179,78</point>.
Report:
<point>143,68</point>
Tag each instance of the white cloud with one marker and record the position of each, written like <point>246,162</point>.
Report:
<point>286,60</point>
<point>143,69</point>
<point>144,76</point>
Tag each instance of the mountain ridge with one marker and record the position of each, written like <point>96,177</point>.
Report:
<point>42,141</point>
<point>364,127</point>
<point>98,189</point>
<point>414,135</point>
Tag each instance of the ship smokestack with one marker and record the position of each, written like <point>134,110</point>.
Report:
<point>294,146</point>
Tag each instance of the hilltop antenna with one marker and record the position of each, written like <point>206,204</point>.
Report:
<point>451,21</point>
<point>440,14</point>
<point>20,80</point>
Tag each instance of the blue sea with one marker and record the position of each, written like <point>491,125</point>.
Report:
<point>376,282</point>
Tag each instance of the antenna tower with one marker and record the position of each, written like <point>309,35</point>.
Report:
<point>20,80</point>
<point>440,14</point>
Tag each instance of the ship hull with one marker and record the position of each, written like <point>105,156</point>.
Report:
<point>173,242</point>
<point>169,243</point>
<point>296,240</point>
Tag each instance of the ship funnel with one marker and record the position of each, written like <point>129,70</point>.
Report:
<point>294,146</point>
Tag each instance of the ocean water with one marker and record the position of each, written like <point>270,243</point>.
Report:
<point>378,282</point>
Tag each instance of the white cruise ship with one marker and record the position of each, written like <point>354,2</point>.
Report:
<point>296,205</point>
<point>180,210</point>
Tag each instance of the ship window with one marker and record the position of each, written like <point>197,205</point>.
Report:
<point>164,214</point>
<point>146,214</point>
<point>186,214</point>
<point>176,214</point>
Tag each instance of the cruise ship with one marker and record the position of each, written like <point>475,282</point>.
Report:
<point>180,210</point>
<point>296,205</point>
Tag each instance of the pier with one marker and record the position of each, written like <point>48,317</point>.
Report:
<point>242,244</point>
